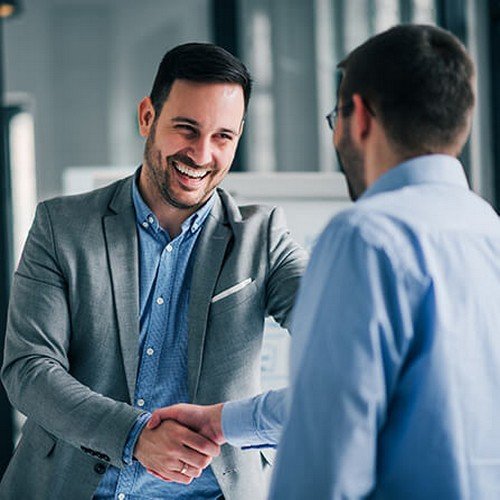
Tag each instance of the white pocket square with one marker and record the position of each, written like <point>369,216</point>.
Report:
<point>229,291</point>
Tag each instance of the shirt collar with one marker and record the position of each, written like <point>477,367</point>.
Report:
<point>427,169</point>
<point>146,218</point>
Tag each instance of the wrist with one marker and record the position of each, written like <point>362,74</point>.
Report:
<point>133,437</point>
<point>216,424</point>
<point>137,447</point>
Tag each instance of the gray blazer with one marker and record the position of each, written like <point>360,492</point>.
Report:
<point>71,351</point>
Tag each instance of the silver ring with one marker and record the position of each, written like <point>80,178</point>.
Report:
<point>184,467</point>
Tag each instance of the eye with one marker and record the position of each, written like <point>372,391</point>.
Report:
<point>224,137</point>
<point>186,128</point>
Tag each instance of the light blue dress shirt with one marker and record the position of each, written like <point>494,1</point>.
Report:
<point>165,282</point>
<point>395,362</point>
<point>395,359</point>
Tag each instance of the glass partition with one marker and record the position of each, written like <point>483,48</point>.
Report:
<point>292,48</point>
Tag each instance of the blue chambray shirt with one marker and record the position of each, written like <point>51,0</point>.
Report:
<point>166,267</point>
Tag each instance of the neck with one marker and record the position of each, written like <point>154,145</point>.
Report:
<point>380,157</point>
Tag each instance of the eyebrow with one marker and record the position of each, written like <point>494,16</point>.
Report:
<point>185,119</point>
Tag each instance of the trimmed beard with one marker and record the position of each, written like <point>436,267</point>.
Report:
<point>159,177</point>
<point>351,163</point>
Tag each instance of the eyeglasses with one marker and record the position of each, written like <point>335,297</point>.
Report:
<point>347,108</point>
<point>331,117</point>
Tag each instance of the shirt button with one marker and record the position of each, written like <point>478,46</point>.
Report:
<point>150,351</point>
<point>160,301</point>
<point>150,219</point>
<point>121,496</point>
<point>146,225</point>
<point>169,247</point>
<point>140,402</point>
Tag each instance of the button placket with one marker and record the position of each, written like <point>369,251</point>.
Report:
<point>157,325</point>
<point>159,319</point>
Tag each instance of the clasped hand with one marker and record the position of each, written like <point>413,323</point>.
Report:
<point>172,451</point>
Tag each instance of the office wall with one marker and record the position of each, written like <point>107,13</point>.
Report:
<point>80,66</point>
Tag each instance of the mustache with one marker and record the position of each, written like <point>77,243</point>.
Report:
<point>180,158</point>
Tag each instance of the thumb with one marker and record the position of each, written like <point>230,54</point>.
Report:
<point>159,415</point>
<point>154,421</point>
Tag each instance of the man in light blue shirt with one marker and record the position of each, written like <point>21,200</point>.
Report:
<point>395,361</point>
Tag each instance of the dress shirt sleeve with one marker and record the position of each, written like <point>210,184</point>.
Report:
<point>140,423</point>
<point>352,327</point>
<point>255,422</point>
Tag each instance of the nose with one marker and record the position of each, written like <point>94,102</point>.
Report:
<point>201,150</point>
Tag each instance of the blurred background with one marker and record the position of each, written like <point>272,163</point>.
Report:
<point>73,71</point>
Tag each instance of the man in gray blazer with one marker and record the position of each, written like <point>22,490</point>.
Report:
<point>145,293</point>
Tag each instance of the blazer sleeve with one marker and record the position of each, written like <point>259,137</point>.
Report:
<point>287,261</point>
<point>36,364</point>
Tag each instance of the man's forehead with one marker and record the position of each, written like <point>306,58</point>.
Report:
<point>199,101</point>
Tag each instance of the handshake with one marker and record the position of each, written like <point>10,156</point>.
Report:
<point>180,441</point>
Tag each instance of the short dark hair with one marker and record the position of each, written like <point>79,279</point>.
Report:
<point>418,80</point>
<point>198,62</point>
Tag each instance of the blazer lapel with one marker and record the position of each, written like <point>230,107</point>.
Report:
<point>210,252</point>
<point>123,254</point>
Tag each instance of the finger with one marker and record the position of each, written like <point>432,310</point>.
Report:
<point>193,458</point>
<point>200,443</point>
<point>158,475</point>
<point>189,470</point>
<point>177,477</point>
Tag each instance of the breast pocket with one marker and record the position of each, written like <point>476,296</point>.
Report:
<point>229,297</point>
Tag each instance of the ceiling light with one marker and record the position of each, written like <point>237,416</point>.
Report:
<point>8,8</point>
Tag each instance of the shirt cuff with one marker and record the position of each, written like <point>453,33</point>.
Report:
<point>256,422</point>
<point>238,425</point>
<point>133,435</point>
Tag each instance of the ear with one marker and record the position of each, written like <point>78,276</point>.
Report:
<point>361,122</point>
<point>146,116</point>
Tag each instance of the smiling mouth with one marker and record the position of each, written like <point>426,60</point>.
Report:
<point>192,173</point>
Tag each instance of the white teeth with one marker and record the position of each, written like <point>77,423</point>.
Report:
<point>196,174</point>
